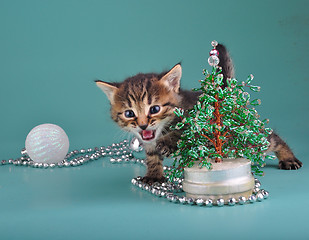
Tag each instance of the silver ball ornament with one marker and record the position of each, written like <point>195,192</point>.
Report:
<point>47,143</point>
<point>214,43</point>
<point>213,60</point>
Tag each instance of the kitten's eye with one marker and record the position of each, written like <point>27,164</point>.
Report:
<point>129,114</point>
<point>154,109</point>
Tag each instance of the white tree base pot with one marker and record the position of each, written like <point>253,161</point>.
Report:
<point>232,178</point>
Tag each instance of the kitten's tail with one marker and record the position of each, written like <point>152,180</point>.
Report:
<point>225,63</point>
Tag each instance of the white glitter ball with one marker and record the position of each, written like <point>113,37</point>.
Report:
<point>47,143</point>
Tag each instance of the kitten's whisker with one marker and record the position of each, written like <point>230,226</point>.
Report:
<point>121,135</point>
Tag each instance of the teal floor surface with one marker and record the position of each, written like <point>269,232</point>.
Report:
<point>97,201</point>
<point>52,51</point>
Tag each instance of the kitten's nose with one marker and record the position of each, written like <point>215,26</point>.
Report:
<point>143,127</point>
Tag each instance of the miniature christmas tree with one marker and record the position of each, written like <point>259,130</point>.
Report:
<point>222,124</point>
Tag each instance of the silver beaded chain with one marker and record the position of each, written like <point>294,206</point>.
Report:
<point>174,193</point>
<point>123,153</point>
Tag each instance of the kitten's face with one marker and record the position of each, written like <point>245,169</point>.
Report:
<point>144,104</point>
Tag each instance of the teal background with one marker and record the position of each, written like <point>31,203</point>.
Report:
<point>50,53</point>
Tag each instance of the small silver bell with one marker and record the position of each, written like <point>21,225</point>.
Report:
<point>136,145</point>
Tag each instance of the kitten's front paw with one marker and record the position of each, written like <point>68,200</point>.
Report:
<point>151,179</point>
<point>290,164</point>
<point>165,149</point>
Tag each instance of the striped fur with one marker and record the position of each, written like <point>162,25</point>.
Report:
<point>287,160</point>
<point>134,105</point>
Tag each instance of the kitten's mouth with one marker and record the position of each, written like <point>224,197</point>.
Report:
<point>147,135</point>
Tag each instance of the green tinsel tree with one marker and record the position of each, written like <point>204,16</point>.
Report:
<point>222,124</point>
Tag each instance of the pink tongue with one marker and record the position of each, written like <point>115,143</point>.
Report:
<point>147,134</point>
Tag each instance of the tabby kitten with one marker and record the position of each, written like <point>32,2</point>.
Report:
<point>144,105</point>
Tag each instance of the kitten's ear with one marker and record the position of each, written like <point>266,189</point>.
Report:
<point>108,88</point>
<point>172,79</point>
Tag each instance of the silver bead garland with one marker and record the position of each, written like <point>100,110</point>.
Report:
<point>119,152</point>
<point>123,153</point>
<point>174,193</point>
